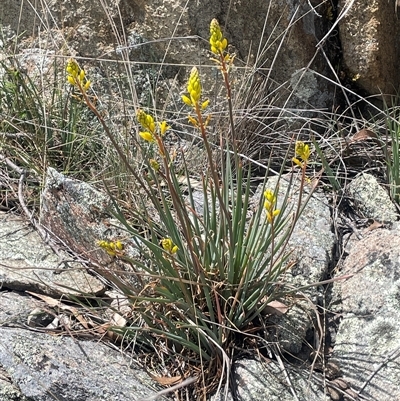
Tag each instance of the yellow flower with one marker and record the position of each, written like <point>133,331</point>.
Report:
<point>194,88</point>
<point>270,204</point>
<point>102,244</point>
<point>271,216</point>
<point>76,75</point>
<point>302,151</point>
<point>164,127</point>
<point>193,121</point>
<point>187,100</point>
<point>113,248</point>
<point>269,195</point>
<point>169,246</point>
<point>217,41</point>
<point>119,245</point>
<point>146,121</point>
<point>87,85</point>
<point>147,136</point>
<point>205,104</point>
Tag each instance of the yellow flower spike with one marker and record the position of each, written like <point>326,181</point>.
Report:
<point>169,246</point>
<point>147,136</point>
<point>164,127</point>
<point>217,41</point>
<point>194,86</point>
<point>146,121</point>
<point>269,205</point>
<point>302,150</point>
<point>113,248</point>
<point>270,196</point>
<point>77,76</point>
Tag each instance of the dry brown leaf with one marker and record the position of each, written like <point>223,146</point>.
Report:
<point>364,134</point>
<point>56,303</point>
<point>374,226</point>
<point>167,381</point>
<point>275,308</point>
<point>118,320</point>
<point>49,300</point>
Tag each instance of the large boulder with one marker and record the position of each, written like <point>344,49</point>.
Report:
<point>279,36</point>
<point>27,263</point>
<point>367,343</point>
<point>371,53</point>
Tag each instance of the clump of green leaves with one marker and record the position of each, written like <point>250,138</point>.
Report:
<point>41,125</point>
<point>209,270</point>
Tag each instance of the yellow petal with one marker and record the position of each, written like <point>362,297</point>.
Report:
<point>224,43</point>
<point>186,100</point>
<point>193,121</point>
<point>205,104</point>
<point>164,127</point>
<point>119,245</point>
<point>297,161</point>
<point>147,136</point>
<point>269,195</point>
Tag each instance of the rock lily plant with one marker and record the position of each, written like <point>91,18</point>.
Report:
<point>208,272</point>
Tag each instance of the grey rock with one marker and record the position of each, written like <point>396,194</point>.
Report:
<point>368,339</point>
<point>8,391</point>
<point>48,368</point>
<point>15,308</point>
<point>27,263</point>
<point>371,199</point>
<point>370,55</point>
<point>80,216</point>
<point>76,212</point>
<point>260,381</point>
